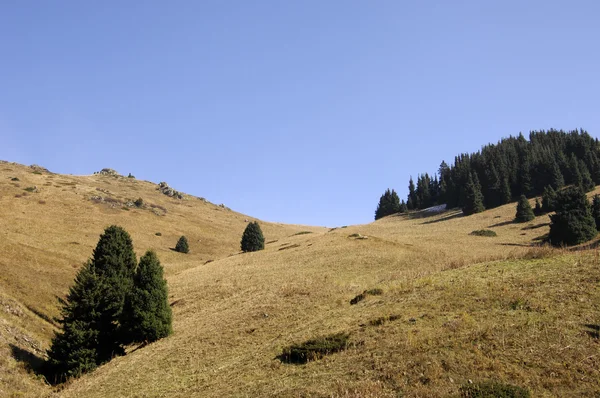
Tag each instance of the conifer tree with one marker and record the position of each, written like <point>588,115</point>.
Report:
<point>389,203</point>
<point>182,245</point>
<point>73,349</point>
<point>473,197</point>
<point>412,201</point>
<point>148,312</point>
<point>524,210</point>
<point>92,313</point>
<point>252,239</point>
<point>505,191</point>
<point>596,210</point>
<point>557,180</point>
<point>548,199</point>
<point>573,222</point>
<point>586,182</point>
<point>403,207</point>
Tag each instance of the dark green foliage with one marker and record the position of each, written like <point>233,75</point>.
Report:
<point>73,348</point>
<point>375,291</point>
<point>573,222</point>
<point>302,233</point>
<point>252,239</point>
<point>548,199</point>
<point>182,245</point>
<point>15,179</point>
<point>513,166</point>
<point>312,350</point>
<point>524,210</point>
<point>389,203</point>
<point>484,232</point>
<point>473,197</point>
<point>596,210</point>
<point>92,313</point>
<point>412,201</point>
<point>139,202</point>
<point>493,390</point>
<point>158,234</point>
<point>537,210</point>
<point>130,175</point>
<point>147,307</point>
<point>586,182</point>
<point>30,189</point>
<point>403,207</point>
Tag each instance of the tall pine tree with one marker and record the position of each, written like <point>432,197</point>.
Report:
<point>473,197</point>
<point>147,308</point>
<point>92,313</point>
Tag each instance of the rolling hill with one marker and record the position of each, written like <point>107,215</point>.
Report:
<point>454,308</point>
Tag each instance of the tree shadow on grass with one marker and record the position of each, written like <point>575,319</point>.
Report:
<point>593,330</point>
<point>502,224</point>
<point>32,362</point>
<point>544,224</point>
<point>517,244</point>
<point>450,216</point>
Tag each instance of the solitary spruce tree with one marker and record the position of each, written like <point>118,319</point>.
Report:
<point>148,312</point>
<point>573,222</point>
<point>92,313</point>
<point>182,245</point>
<point>252,239</point>
<point>524,210</point>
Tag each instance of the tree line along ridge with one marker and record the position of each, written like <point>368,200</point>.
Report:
<point>513,168</point>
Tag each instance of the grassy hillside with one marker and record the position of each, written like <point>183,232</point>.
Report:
<point>454,307</point>
<point>49,225</point>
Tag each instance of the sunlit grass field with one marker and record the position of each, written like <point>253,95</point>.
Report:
<point>455,308</point>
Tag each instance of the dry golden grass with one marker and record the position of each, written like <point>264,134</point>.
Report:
<point>47,235</point>
<point>462,307</point>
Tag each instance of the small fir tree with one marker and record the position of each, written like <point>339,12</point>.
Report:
<point>506,194</point>
<point>252,239</point>
<point>596,210</point>
<point>389,203</point>
<point>524,210</point>
<point>403,207</point>
<point>412,201</point>
<point>573,222</point>
<point>473,197</point>
<point>548,199</point>
<point>182,245</point>
<point>149,314</point>
<point>586,182</point>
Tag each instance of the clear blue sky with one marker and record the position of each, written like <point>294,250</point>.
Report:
<point>291,111</point>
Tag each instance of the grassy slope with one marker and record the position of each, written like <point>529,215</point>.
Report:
<point>469,307</point>
<point>46,236</point>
